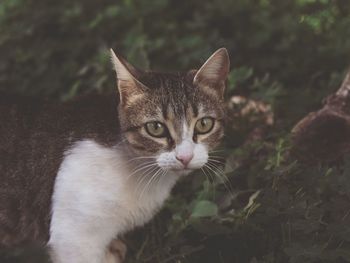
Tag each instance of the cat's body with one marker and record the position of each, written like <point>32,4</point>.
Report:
<point>77,175</point>
<point>34,135</point>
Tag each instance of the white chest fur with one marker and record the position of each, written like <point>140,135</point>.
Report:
<point>95,200</point>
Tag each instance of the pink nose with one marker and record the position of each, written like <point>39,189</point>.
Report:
<point>185,158</point>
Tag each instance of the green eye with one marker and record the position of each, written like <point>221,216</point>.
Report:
<point>204,125</point>
<point>156,129</point>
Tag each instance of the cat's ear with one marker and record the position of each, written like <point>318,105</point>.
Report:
<point>213,74</point>
<point>130,89</point>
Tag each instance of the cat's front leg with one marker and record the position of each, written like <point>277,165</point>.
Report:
<point>116,252</point>
<point>83,251</point>
<point>86,251</point>
<point>80,242</point>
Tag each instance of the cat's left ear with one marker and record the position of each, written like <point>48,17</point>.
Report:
<point>213,74</point>
<point>130,88</point>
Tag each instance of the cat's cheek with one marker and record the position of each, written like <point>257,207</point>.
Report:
<point>213,139</point>
<point>200,157</point>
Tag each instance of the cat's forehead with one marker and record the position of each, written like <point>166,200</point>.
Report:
<point>168,84</point>
<point>172,93</point>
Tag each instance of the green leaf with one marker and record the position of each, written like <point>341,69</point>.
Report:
<point>204,208</point>
<point>239,75</point>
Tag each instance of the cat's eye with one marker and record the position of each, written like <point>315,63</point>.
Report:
<point>204,125</point>
<point>156,129</point>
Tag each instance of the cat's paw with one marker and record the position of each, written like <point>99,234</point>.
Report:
<point>116,252</point>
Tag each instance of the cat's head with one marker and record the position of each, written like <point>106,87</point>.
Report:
<point>177,119</point>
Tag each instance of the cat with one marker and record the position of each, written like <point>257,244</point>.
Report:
<point>77,175</point>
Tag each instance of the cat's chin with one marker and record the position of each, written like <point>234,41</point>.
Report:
<point>182,172</point>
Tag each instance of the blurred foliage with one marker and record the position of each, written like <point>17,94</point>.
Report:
<point>291,54</point>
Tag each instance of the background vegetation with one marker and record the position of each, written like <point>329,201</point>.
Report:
<point>289,53</point>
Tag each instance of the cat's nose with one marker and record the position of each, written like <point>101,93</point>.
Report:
<point>184,158</point>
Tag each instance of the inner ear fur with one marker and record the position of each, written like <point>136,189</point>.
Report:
<point>214,72</point>
<point>130,88</point>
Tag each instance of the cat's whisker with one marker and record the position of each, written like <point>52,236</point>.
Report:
<point>219,173</point>
<point>158,177</point>
<point>221,179</point>
<point>149,183</point>
<point>139,162</point>
<point>224,161</point>
<point>142,158</point>
<point>146,173</point>
<point>140,167</point>
<point>219,160</point>
<point>164,174</point>
<point>144,176</point>
<point>208,175</point>
<point>210,180</point>
<point>216,161</point>
<point>225,180</point>
<point>219,150</point>
<point>161,176</point>
<point>205,174</point>
<point>148,165</point>
<point>211,171</point>
<point>218,169</point>
<point>143,163</point>
<point>217,157</point>
<point>211,177</point>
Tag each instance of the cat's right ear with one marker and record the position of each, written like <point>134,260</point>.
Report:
<point>130,89</point>
<point>213,74</point>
